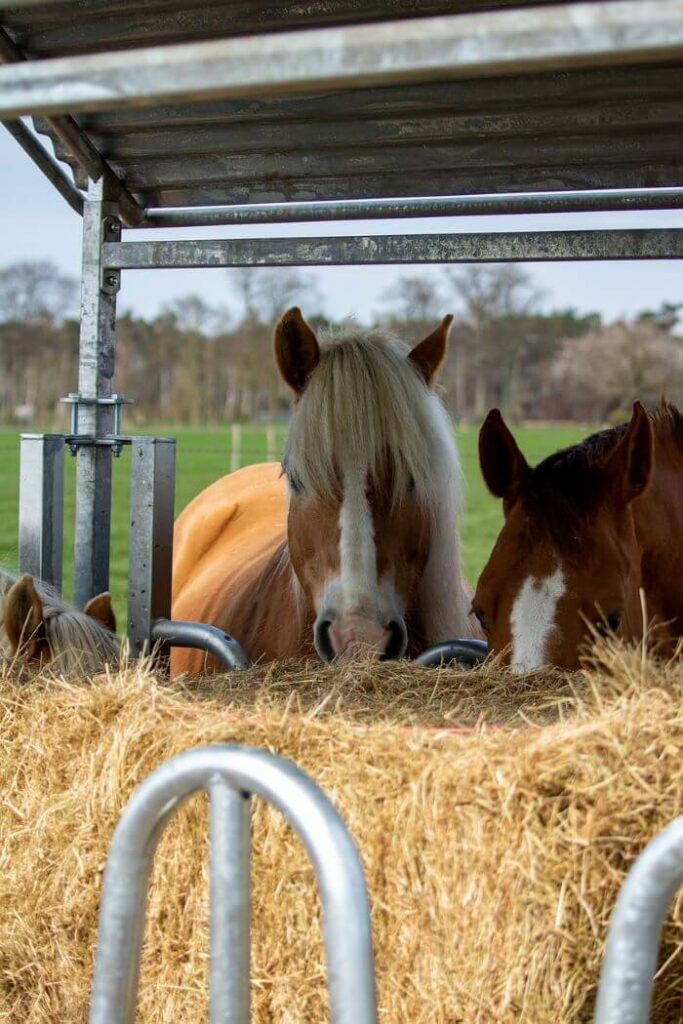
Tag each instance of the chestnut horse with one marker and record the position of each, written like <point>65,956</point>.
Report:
<point>38,628</point>
<point>350,547</point>
<point>584,531</point>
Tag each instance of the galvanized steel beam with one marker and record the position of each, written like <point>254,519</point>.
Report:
<point>150,546</point>
<point>492,247</point>
<point>45,163</point>
<point>76,142</point>
<point>455,46</point>
<point>95,376</point>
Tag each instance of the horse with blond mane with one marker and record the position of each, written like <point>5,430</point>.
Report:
<point>350,547</point>
<point>38,628</point>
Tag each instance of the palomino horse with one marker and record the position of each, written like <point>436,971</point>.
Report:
<point>584,531</point>
<point>350,548</point>
<point>37,627</point>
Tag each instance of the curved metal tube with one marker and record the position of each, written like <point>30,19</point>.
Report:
<point>206,638</point>
<point>628,968</point>
<point>337,866</point>
<point>468,653</point>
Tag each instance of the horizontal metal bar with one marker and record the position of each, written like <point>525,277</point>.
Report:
<point>567,35</point>
<point>467,653</point>
<point>45,163</point>
<point>77,143</point>
<point>199,635</point>
<point>494,247</point>
<point>585,201</point>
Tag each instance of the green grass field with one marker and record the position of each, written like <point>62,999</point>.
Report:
<point>203,455</point>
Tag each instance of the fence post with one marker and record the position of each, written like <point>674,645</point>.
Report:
<point>235,447</point>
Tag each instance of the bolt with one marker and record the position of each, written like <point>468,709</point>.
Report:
<point>111,279</point>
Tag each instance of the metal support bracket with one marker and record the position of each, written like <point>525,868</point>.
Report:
<point>41,507</point>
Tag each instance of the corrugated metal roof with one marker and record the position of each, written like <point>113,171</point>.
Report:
<point>616,127</point>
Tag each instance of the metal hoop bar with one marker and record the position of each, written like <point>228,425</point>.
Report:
<point>230,821</point>
<point>628,968</point>
<point>337,866</point>
<point>200,635</point>
<point>468,653</point>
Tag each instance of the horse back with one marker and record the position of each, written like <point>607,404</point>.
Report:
<point>222,541</point>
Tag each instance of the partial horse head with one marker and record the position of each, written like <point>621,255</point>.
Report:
<point>374,483</point>
<point>37,627</point>
<point>567,561</point>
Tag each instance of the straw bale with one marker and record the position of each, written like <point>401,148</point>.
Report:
<point>496,818</point>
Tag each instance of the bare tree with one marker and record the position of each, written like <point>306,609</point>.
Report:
<point>488,356</point>
<point>32,292</point>
<point>412,298</point>
<point>608,369</point>
<point>266,292</point>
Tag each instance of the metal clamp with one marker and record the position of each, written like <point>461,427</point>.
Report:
<point>467,653</point>
<point>230,775</point>
<point>116,440</point>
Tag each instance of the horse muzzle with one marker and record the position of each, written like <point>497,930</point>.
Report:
<point>358,638</point>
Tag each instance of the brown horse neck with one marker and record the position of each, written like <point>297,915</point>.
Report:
<point>272,619</point>
<point>658,520</point>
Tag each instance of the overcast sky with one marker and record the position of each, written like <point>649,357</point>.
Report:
<point>36,224</point>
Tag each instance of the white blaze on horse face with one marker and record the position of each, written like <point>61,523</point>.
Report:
<point>532,620</point>
<point>356,592</point>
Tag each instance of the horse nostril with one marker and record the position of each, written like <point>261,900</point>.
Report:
<point>398,640</point>
<point>321,638</point>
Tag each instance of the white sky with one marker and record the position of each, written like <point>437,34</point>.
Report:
<point>37,224</point>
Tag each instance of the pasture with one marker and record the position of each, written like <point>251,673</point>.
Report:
<point>204,454</point>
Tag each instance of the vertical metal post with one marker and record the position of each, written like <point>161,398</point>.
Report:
<point>230,903</point>
<point>150,550</point>
<point>635,931</point>
<point>41,506</point>
<point>95,374</point>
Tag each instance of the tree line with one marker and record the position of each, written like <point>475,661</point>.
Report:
<point>197,363</point>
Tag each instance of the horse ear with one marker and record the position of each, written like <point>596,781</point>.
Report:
<point>630,466</point>
<point>296,350</point>
<point>502,464</point>
<point>23,617</point>
<point>101,609</point>
<point>429,354</point>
